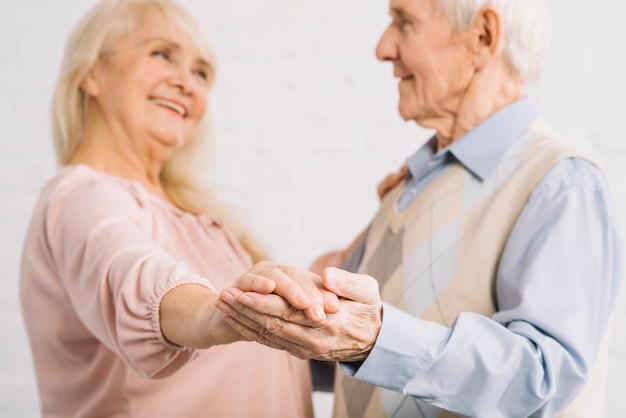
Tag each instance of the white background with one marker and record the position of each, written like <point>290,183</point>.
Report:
<point>306,125</point>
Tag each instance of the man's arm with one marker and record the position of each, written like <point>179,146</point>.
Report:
<point>557,283</point>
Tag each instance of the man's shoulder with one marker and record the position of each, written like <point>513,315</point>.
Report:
<point>572,165</point>
<point>573,171</point>
<point>547,140</point>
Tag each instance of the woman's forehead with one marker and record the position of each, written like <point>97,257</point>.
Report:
<point>154,26</point>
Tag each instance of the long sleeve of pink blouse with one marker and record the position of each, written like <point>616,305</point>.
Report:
<point>100,254</point>
<point>114,273</point>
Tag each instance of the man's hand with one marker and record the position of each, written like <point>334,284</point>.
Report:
<point>347,335</point>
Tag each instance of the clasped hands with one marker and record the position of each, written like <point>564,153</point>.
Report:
<point>332,316</point>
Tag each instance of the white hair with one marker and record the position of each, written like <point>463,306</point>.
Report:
<point>527,30</point>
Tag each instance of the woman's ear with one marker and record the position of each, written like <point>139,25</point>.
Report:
<point>488,33</point>
<point>90,84</point>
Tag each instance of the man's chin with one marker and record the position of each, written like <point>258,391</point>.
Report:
<point>405,113</point>
<point>422,118</point>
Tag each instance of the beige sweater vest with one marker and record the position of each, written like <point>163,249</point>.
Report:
<point>448,243</point>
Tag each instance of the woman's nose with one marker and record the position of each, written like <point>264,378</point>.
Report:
<point>183,79</point>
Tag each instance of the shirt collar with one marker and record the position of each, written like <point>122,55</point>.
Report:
<point>419,162</point>
<point>481,149</point>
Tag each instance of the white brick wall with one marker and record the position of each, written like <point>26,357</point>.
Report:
<point>306,125</point>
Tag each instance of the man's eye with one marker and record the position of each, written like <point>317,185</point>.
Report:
<point>161,54</point>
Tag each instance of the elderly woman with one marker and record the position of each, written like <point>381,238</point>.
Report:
<point>126,251</point>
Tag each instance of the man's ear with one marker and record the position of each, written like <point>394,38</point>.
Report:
<point>487,36</point>
<point>90,84</point>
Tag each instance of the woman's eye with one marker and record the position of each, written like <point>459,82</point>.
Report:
<point>202,74</point>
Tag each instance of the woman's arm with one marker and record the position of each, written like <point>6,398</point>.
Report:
<point>189,318</point>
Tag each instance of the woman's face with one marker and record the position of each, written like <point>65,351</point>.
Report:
<point>150,92</point>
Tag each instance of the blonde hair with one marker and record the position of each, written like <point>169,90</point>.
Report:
<point>95,36</point>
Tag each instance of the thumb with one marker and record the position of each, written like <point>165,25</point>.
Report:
<point>357,287</point>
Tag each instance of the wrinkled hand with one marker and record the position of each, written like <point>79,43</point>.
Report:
<point>302,289</point>
<point>347,335</point>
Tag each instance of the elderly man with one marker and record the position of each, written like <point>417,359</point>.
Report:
<point>497,256</point>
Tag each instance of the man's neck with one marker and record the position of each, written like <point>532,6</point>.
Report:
<point>488,92</point>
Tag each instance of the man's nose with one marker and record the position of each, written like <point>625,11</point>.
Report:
<point>386,50</point>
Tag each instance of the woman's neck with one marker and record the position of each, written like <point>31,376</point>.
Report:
<point>120,161</point>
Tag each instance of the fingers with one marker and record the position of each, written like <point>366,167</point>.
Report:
<point>331,302</point>
<point>261,309</point>
<point>294,287</point>
<point>270,320</point>
<point>357,287</point>
<point>291,332</point>
<point>301,288</point>
<point>267,277</point>
<point>391,181</point>
<point>253,282</point>
<point>264,338</point>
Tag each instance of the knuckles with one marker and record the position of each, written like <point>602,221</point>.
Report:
<point>290,314</point>
<point>274,325</point>
<point>320,347</point>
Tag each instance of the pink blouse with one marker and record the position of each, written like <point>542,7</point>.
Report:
<point>100,254</point>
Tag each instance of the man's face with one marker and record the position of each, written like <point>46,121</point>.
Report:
<point>434,64</point>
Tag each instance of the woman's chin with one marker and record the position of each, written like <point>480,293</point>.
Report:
<point>172,140</point>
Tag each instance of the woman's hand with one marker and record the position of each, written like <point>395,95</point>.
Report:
<point>391,181</point>
<point>189,316</point>
<point>302,289</point>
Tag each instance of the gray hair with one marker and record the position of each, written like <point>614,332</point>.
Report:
<point>527,33</point>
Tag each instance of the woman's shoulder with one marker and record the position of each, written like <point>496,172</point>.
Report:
<point>84,186</point>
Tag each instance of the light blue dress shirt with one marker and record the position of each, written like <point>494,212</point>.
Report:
<point>556,287</point>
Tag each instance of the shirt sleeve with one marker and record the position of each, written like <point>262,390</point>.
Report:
<point>556,286</point>
<point>114,274</point>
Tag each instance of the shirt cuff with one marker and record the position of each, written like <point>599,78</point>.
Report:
<point>403,349</point>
